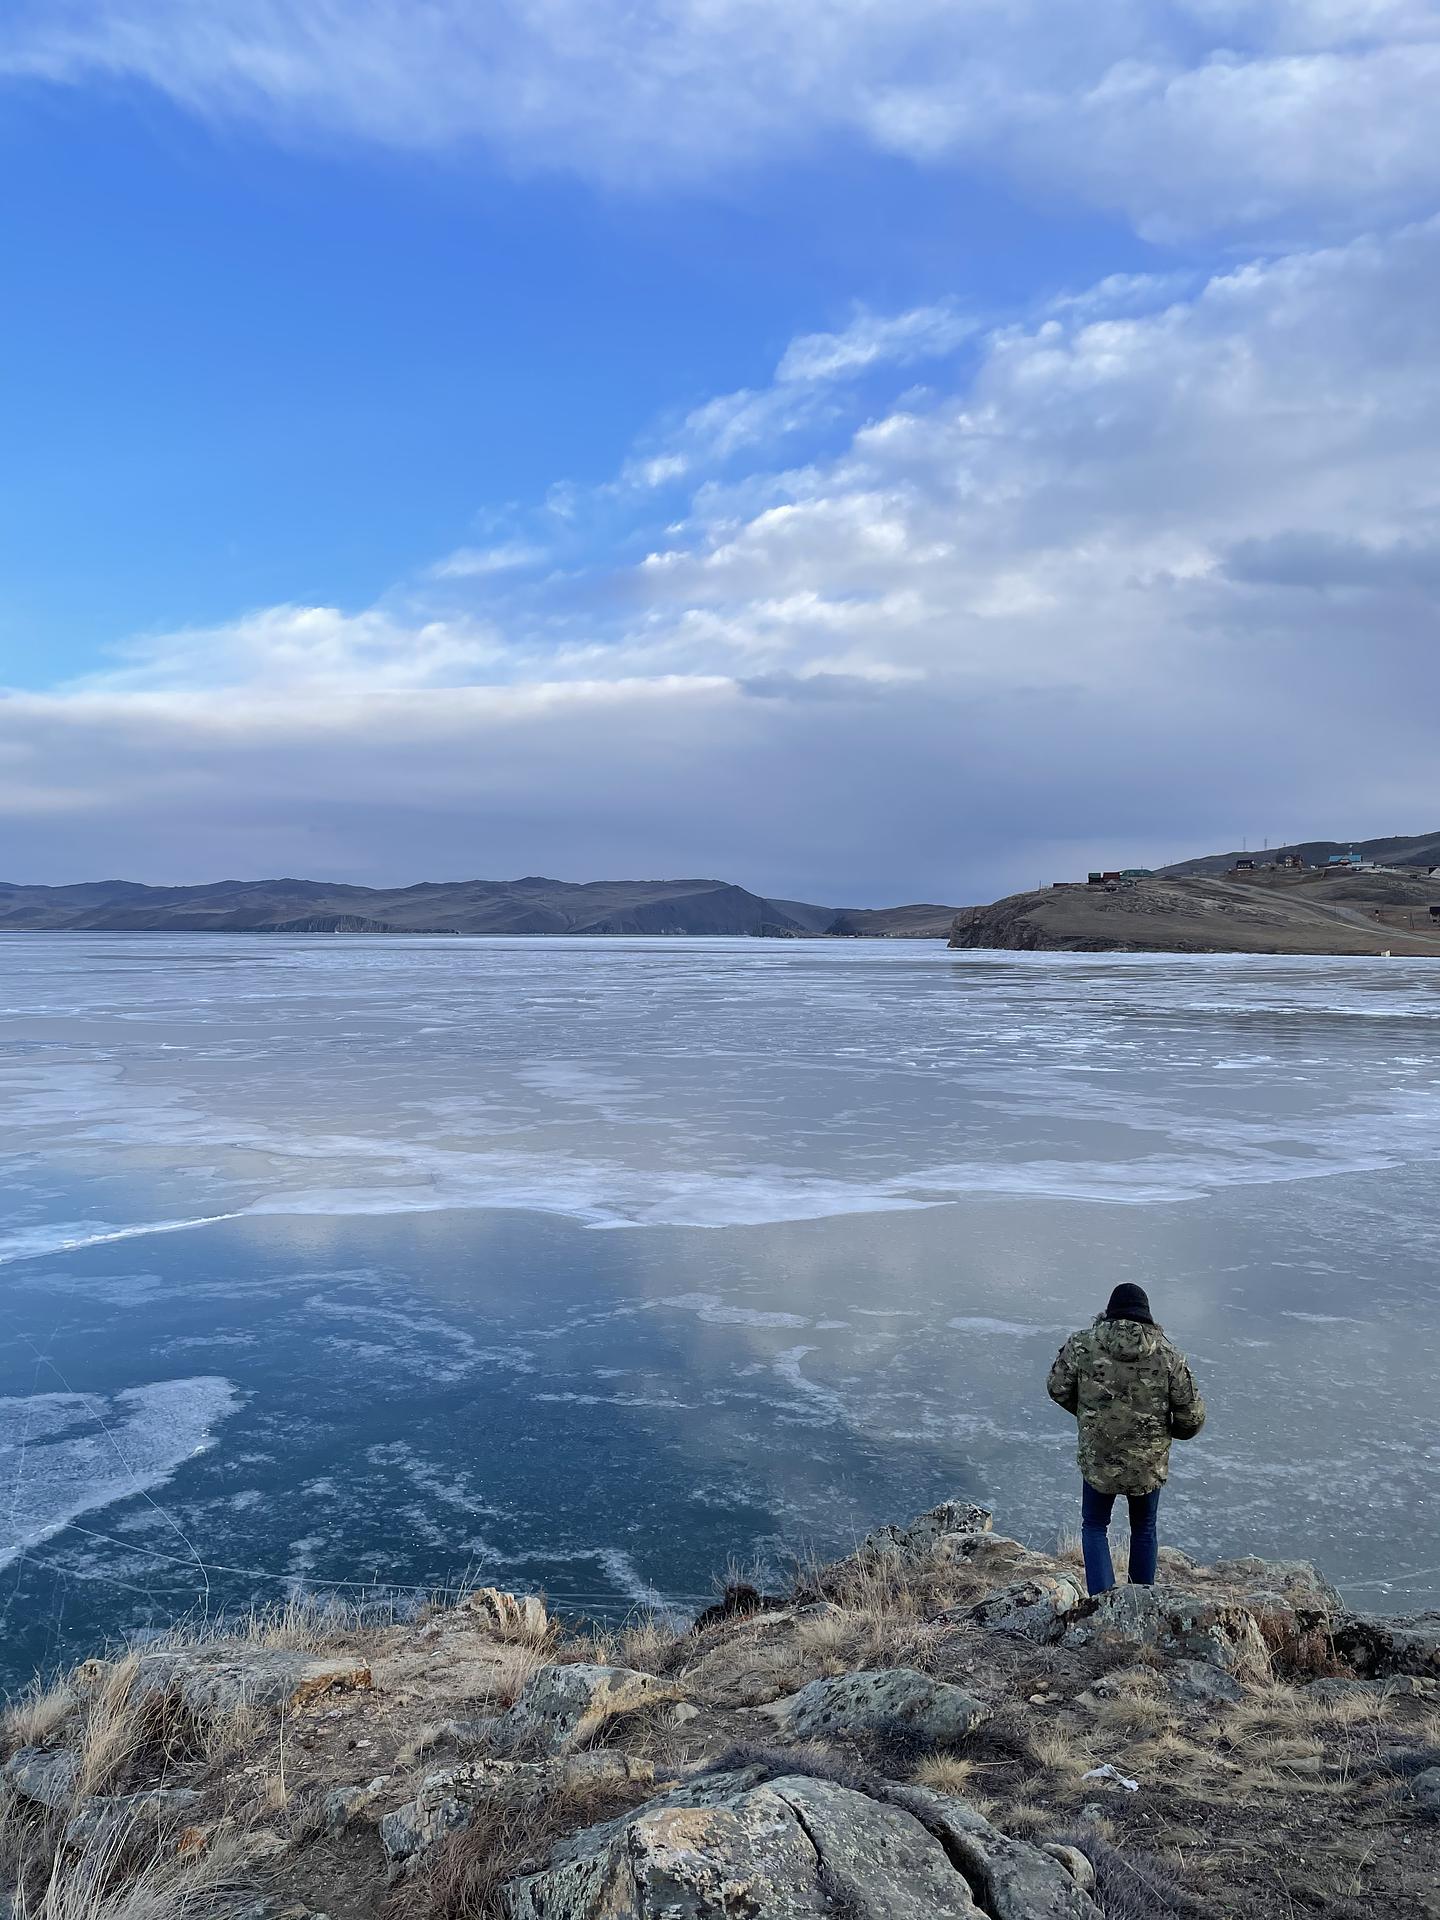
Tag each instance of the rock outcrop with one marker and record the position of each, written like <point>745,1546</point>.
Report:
<point>891,1702</point>
<point>799,1755</point>
<point>793,1847</point>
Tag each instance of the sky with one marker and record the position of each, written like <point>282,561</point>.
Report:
<point>869,450</point>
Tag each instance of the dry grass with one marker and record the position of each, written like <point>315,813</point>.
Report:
<point>104,1882</point>
<point>510,1834</point>
<point>116,1729</point>
<point>1060,1757</point>
<point>513,1667</point>
<point>889,1589</point>
<point>1132,1715</point>
<point>38,1714</point>
<point>945,1773</point>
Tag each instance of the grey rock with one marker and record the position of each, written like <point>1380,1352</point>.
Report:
<point>888,1701</point>
<point>565,1705</point>
<point>1195,1683</point>
<point>1425,1791</point>
<point>1296,1582</point>
<point>214,1683</point>
<point>1075,1863</point>
<point>1011,1880</point>
<point>343,1804</point>
<point>1375,1644</point>
<point>46,1778</point>
<point>921,1535</point>
<point>794,1848</point>
<point>1192,1625</point>
<point>1336,1689</point>
<point>411,1831</point>
<point>104,1819</point>
<point>1034,1609</point>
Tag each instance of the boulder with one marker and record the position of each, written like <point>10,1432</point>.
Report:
<point>1425,1792</point>
<point>103,1820</point>
<point>888,1701</point>
<point>563,1706</point>
<point>1035,1609</point>
<point>447,1797</point>
<point>1192,1625</point>
<point>1011,1880</point>
<point>1195,1683</point>
<point>513,1616</point>
<point>922,1535</point>
<point>210,1683</point>
<point>1295,1582</point>
<point>1372,1643</point>
<point>46,1778</point>
<point>793,1848</point>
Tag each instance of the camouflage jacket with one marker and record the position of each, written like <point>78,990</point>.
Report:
<point>1132,1392</point>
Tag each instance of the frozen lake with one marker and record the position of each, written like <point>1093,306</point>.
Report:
<point>586,1264</point>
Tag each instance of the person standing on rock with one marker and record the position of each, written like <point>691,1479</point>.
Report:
<point>1132,1392</point>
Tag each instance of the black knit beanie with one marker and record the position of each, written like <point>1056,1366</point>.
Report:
<point>1129,1302</point>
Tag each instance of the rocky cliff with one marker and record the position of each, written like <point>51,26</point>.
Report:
<point>940,1725</point>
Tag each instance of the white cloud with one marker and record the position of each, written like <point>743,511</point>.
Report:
<point>473,563</point>
<point>1116,576</point>
<point>1198,115</point>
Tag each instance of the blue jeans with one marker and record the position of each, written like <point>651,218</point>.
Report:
<point>1095,1511</point>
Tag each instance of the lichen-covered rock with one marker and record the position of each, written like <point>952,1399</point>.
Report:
<point>921,1535</point>
<point>46,1778</point>
<point>341,1805</point>
<point>1191,1625</point>
<point>1037,1608</point>
<point>519,1616</point>
<point>1375,1644</point>
<point>211,1683</point>
<point>563,1706</point>
<point>888,1701</point>
<point>1195,1683</point>
<point>1011,1879</point>
<point>446,1800</point>
<point>105,1820</point>
<point>793,1848</point>
<point>1296,1582</point>
<point>412,1830</point>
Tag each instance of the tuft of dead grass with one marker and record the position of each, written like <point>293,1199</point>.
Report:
<point>945,1773</point>
<point>37,1715</point>
<point>1133,1714</point>
<point>106,1882</point>
<point>115,1730</point>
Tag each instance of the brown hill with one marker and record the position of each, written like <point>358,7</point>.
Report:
<point>1264,912</point>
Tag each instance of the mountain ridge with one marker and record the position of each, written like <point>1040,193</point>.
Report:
<point>533,904</point>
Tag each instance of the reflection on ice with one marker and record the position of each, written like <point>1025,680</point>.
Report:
<point>347,1191</point>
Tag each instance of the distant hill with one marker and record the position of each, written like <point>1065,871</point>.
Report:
<point>1418,849</point>
<point>532,905</point>
<point>1268,911</point>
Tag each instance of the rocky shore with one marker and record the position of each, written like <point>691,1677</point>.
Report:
<point>941,1724</point>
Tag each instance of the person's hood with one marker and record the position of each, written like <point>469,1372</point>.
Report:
<point>1127,1339</point>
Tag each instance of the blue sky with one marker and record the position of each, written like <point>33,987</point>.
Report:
<point>869,452</point>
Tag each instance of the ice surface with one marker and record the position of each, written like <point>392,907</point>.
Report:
<point>67,1454</point>
<point>850,1195</point>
